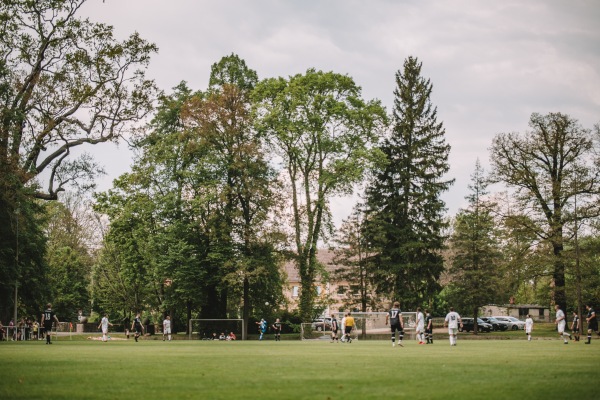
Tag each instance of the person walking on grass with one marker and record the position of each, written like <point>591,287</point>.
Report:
<point>334,328</point>
<point>167,328</point>
<point>561,324</point>
<point>592,323</point>
<point>348,327</point>
<point>277,330</point>
<point>394,317</point>
<point>528,327</point>
<point>428,327</point>
<point>453,321</point>
<point>104,325</point>
<point>575,326</point>
<point>420,326</point>
<point>48,317</point>
<point>137,327</point>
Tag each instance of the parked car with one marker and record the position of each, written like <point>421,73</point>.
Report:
<point>497,325</point>
<point>321,324</point>
<point>513,323</point>
<point>469,326</point>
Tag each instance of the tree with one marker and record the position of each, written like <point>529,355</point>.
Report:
<point>65,83</point>
<point>323,132</point>
<point>475,247</point>
<point>352,254</point>
<point>405,214</point>
<point>547,167</point>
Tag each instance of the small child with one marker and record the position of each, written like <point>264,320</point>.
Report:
<point>528,326</point>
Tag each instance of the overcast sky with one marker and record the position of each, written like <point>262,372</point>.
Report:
<point>491,63</point>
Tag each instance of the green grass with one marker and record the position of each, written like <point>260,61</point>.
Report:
<point>475,369</point>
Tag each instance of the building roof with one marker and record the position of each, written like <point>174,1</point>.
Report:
<point>324,256</point>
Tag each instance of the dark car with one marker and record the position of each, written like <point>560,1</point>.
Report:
<point>497,325</point>
<point>469,326</point>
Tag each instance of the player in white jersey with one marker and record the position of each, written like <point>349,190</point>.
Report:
<point>561,324</point>
<point>343,325</point>
<point>104,324</point>
<point>167,328</point>
<point>420,326</point>
<point>453,321</point>
<point>528,326</point>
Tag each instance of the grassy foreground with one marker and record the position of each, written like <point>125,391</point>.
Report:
<point>475,369</point>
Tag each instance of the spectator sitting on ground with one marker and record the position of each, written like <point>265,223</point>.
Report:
<point>214,336</point>
<point>231,336</point>
<point>222,336</point>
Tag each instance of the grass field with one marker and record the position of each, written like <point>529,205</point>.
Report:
<point>151,369</point>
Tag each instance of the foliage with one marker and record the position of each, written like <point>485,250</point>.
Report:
<point>548,167</point>
<point>404,210</point>
<point>352,254</point>
<point>476,252</point>
<point>322,131</point>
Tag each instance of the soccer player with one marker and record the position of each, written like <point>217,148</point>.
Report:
<point>592,323</point>
<point>48,317</point>
<point>334,328</point>
<point>348,327</point>
<point>420,326</point>
<point>277,330</point>
<point>167,328</point>
<point>343,326</point>
<point>262,328</point>
<point>561,324</point>
<point>452,321</point>
<point>394,317</point>
<point>428,327</point>
<point>137,327</point>
<point>528,326</point>
<point>575,326</point>
<point>104,324</point>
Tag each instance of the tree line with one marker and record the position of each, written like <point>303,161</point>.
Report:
<point>231,181</point>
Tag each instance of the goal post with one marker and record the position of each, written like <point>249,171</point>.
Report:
<point>203,329</point>
<point>368,325</point>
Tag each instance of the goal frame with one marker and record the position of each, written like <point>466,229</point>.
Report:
<point>190,332</point>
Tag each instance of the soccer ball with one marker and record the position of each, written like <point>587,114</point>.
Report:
<point>266,303</point>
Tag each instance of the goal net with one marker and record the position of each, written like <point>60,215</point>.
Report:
<point>368,325</point>
<point>203,329</point>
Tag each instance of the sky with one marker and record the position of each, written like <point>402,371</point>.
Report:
<point>491,63</point>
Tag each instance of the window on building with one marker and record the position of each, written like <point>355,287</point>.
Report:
<point>294,291</point>
<point>341,290</point>
<point>319,290</point>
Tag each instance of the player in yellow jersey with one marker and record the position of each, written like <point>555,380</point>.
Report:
<point>349,325</point>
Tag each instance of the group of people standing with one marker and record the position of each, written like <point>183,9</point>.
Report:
<point>424,325</point>
<point>561,324</point>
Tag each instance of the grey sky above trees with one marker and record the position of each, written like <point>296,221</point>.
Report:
<point>491,64</point>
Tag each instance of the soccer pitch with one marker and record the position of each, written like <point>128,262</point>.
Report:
<point>153,369</point>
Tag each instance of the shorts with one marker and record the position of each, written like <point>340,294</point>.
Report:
<point>137,329</point>
<point>561,326</point>
<point>167,331</point>
<point>396,327</point>
<point>593,325</point>
<point>452,331</point>
<point>420,328</point>
<point>348,330</point>
<point>104,331</point>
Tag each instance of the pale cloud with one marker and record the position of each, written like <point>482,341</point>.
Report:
<point>491,63</point>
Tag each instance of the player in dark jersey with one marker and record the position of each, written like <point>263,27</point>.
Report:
<point>48,317</point>
<point>277,330</point>
<point>394,317</point>
<point>334,328</point>
<point>428,327</point>
<point>137,327</point>
<point>592,323</point>
<point>575,326</point>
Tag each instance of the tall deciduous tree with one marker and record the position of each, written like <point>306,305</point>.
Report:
<point>322,130</point>
<point>405,214</point>
<point>65,83</point>
<point>547,167</point>
<point>475,247</point>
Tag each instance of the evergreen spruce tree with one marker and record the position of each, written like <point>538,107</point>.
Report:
<point>405,212</point>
